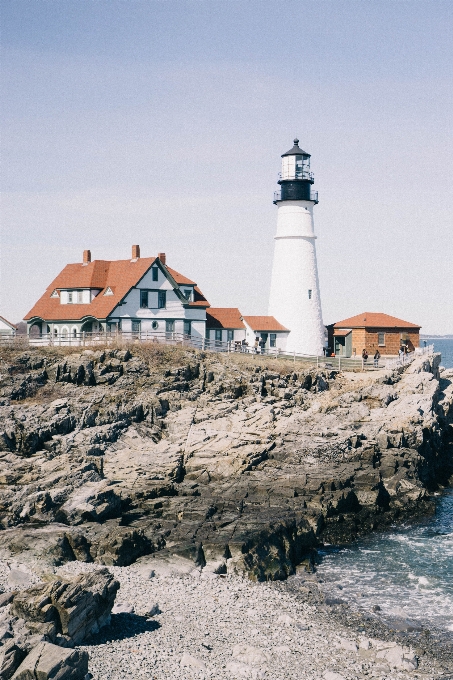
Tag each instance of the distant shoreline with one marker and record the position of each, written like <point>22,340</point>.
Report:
<point>436,337</point>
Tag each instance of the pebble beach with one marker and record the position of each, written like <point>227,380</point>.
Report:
<point>190,624</point>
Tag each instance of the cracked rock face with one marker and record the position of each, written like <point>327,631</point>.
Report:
<point>228,463</point>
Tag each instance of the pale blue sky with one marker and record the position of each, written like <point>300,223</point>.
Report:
<point>162,123</point>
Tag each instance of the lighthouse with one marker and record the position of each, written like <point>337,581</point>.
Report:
<point>294,298</point>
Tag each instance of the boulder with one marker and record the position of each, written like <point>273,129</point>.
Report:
<point>72,609</point>
<point>50,662</point>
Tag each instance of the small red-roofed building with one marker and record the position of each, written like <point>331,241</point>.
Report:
<point>227,324</point>
<point>138,295</point>
<point>224,324</point>
<point>268,331</point>
<point>7,329</point>
<point>372,331</point>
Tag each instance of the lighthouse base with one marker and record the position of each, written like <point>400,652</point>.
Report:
<point>295,298</point>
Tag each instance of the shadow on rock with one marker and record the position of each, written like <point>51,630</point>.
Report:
<point>123,626</point>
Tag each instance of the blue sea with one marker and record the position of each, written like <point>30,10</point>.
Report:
<point>444,346</point>
<point>407,572</point>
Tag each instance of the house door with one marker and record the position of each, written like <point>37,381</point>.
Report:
<point>340,348</point>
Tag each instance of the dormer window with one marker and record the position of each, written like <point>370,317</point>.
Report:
<point>187,292</point>
<point>76,297</point>
<point>55,294</point>
<point>108,291</point>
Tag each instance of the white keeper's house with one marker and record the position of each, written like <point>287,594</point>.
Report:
<point>134,296</point>
<point>142,295</point>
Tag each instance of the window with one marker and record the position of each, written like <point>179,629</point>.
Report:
<point>273,339</point>
<point>381,339</point>
<point>187,328</point>
<point>74,332</point>
<point>170,326</point>
<point>155,272</point>
<point>161,299</point>
<point>144,299</point>
<point>230,336</point>
<point>79,297</point>
<point>218,335</point>
<point>309,293</point>
<point>70,295</point>
<point>154,325</point>
<point>187,292</point>
<point>207,334</point>
<point>136,326</point>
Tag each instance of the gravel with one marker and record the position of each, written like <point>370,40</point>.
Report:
<point>209,626</point>
<point>178,623</point>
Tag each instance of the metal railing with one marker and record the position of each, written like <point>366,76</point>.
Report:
<point>197,342</point>
<point>313,196</point>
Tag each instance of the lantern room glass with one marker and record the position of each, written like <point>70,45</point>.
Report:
<point>296,167</point>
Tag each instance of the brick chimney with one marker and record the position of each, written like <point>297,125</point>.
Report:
<point>135,252</point>
<point>86,256</point>
<point>162,258</point>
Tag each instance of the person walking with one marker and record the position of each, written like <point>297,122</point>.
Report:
<point>257,345</point>
<point>377,356</point>
<point>364,355</point>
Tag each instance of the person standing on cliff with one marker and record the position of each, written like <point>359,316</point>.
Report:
<point>377,356</point>
<point>364,355</point>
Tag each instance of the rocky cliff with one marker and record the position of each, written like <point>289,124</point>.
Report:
<point>236,463</point>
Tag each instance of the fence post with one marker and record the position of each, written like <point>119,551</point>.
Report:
<point>339,363</point>
<point>363,364</point>
<point>294,356</point>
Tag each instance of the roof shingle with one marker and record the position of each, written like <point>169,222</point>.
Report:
<point>374,320</point>
<point>119,275</point>
<point>224,317</point>
<point>264,323</point>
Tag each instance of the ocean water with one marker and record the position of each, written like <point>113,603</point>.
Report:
<point>444,346</point>
<point>407,572</point>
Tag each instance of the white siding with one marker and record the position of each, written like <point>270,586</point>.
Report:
<point>294,274</point>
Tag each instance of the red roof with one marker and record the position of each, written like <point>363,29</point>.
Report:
<point>119,275</point>
<point>264,323</point>
<point>179,278</point>
<point>224,317</point>
<point>374,320</point>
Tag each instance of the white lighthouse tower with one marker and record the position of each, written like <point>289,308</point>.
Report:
<point>295,299</point>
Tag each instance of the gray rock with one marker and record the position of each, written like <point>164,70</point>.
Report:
<point>50,662</point>
<point>73,609</point>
